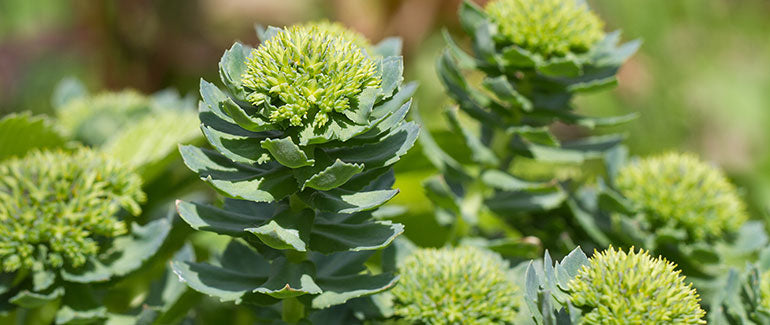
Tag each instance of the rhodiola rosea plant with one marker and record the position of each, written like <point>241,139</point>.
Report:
<point>532,58</point>
<point>304,132</point>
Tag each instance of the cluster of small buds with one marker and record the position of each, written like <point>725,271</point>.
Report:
<point>547,27</point>
<point>55,207</point>
<point>463,285</point>
<point>681,191</point>
<point>633,288</point>
<point>304,74</point>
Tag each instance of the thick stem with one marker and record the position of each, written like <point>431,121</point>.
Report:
<point>293,311</point>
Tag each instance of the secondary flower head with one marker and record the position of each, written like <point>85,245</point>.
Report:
<point>633,288</point>
<point>463,285</point>
<point>547,27</point>
<point>56,207</point>
<point>683,192</point>
<point>305,74</point>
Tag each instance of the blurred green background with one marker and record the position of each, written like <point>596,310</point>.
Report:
<point>701,81</point>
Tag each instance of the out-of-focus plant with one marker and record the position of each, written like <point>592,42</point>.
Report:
<point>66,228</point>
<point>532,57</point>
<point>744,297</point>
<point>462,285</point>
<point>304,136</point>
<point>142,131</point>
<point>612,287</point>
<point>675,205</point>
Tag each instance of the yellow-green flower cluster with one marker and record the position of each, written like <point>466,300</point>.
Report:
<point>547,27</point>
<point>681,191</point>
<point>305,74</point>
<point>56,207</point>
<point>633,288</point>
<point>339,30</point>
<point>462,285</point>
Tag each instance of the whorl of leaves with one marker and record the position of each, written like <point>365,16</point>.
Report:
<point>463,285</point>
<point>55,207</point>
<point>633,288</point>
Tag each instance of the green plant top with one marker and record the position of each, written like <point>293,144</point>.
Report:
<point>633,288</point>
<point>547,27</point>
<point>93,119</point>
<point>339,30</point>
<point>56,207</point>
<point>463,285</point>
<point>680,191</point>
<point>308,74</point>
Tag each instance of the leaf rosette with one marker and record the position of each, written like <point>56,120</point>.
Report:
<point>65,223</point>
<point>304,136</point>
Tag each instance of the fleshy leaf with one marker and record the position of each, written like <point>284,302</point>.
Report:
<point>334,237</point>
<point>20,133</point>
<point>339,290</point>
<point>503,181</point>
<point>289,280</point>
<point>342,201</point>
<point>238,180</point>
<point>287,230</point>
<point>231,68</point>
<point>286,152</point>
<point>224,222</point>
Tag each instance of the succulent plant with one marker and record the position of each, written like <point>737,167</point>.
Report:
<point>675,205</point>
<point>612,287</point>
<point>743,297</point>
<point>66,223</point>
<point>533,56</point>
<point>304,140</point>
<point>682,192</point>
<point>141,131</point>
<point>627,288</point>
<point>462,285</point>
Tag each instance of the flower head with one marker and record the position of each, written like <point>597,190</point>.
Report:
<point>463,285</point>
<point>547,27</point>
<point>633,288</point>
<point>683,192</point>
<point>306,74</point>
<point>56,207</point>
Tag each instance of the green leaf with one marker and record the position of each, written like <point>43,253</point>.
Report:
<point>471,16</point>
<point>333,176</point>
<point>29,299</point>
<point>80,305</point>
<point>458,89</point>
<point>464,60</point>
<point>390,46</point>
<point>393,104</point>
<point>392,69</point>
<point>518,57</point>
<point>560,68</point>
<point>234,283</point>
<point>439,193</point>
<point>503,89</point>
<point>480,152</point>
<point>329,237</point>
<point>571,264</point>
<point>503,181</point>
<point>289,280</point>
<point>343,201</point>
<point>238,180</point>
<point>537,135</point>
<point>383,153</point>
<point>588,223</point>
<point>438,157</point>
<point>38,133</point>
<point>239,148</point>
<point>339,290</point>
<point>127,254</point>
<point>287,230</point>
<point>510,203</point>
<point>286,152</point>
<point>208,218</point>
<point>243,119</point>
<point>212,96</point>
<point>231,68</point>
<point>366,100</point>
<point>484,45</point>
